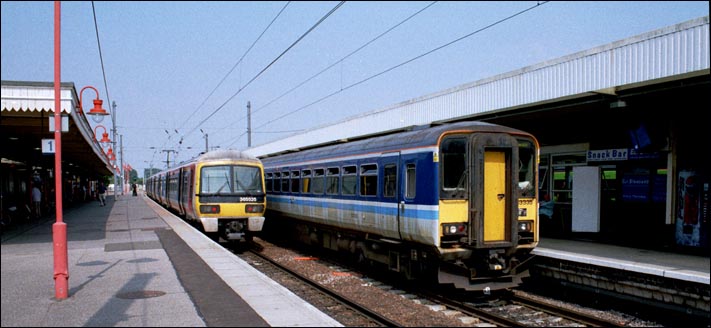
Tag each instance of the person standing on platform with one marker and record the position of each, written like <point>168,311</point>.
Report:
<point>102,194</point>
<point>36,201</point>
<point>135,189</point>
<point>545,214</point>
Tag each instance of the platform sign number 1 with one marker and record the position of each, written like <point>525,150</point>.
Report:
<point>48,146</point>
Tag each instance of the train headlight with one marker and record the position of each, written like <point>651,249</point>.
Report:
<point>454,229</point>
<point>251,208</point>
<point>210,209</point>
<point>525,226</point>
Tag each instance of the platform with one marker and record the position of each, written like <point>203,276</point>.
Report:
<point>131,263</point>
<point>664,264</point>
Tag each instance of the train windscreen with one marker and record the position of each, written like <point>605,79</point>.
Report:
<point>526,168</point>
<point>231,180</point>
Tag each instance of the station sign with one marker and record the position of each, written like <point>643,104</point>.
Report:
<point>608,155</point>
<point>48,146</point>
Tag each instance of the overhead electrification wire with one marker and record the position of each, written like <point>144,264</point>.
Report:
<point>267,67</point>
<point>403,63</point>
<point>332,65</point>
<point>235,65</point>
<point>345,57</point>
<point>101,57</point>
<point>224,78</point>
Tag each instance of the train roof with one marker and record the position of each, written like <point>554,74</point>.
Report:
<point>227,154</point>
<point>215,155</point>
<point>413,137</point>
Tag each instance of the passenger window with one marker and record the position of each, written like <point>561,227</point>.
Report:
<point>306,181</point>
<point>390,180</point>
<point>277,183</point>
<point>332,176</point>
<point>317,183</point>
<point>350,180</point>
<point>368,180</point>
<point>269,178</point>
<point>285,181</point>
<point>410,181</point>
<point>295,181</point>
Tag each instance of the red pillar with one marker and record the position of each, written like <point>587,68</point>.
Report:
<point>59,229</point>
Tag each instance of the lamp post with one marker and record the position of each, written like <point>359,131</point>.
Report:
<point>113,124</point>
<point>59,228</point>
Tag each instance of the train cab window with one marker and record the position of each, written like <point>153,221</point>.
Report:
<point>213,180</point>
<point>410,181</point>
<point>453,157</point>
<point>306,181</point>
<point>295,181</point>
<point>389,180</point>
<point>268,178</point>
<point>332,177</point>
<point>277,181</point>
<point>368,180</point>
<point>227,179</point>
<point>317,182</point>
<point>526,168</point>
<point>247,180</point>
<point>285,181</point>
<point>350,180</point>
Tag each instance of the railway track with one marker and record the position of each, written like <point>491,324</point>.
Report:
<point>515,310</point>
<point>508,309</point>
<point>330,299</point>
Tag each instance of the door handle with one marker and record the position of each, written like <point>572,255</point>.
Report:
<point>500,196</point>
<point>402,207</point>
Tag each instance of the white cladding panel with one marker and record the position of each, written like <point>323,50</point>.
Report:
<point>661,54</point>
<point>35,98</point>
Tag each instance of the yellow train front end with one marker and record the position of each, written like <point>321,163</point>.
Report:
<point>487,208</point>
<point>229,197</point>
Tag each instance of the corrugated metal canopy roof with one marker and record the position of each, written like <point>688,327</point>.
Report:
<point>671,53</point>
<point>24,122</point>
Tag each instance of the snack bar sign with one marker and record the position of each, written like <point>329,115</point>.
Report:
<point>608,155</point>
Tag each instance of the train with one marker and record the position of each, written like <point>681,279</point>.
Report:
<point>454,203</point>
<point>221,192</point>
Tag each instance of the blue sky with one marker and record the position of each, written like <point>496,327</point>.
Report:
<point>163,59</point>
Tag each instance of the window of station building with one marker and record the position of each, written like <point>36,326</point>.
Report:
<point>317,182</point>
<point>305,181</point>
<point>268,177</point>
<point>285,181</point>
<point>295,181</point>
<point>410,181</point>
<point>350,180</point>
<point>277,183</point>
<point>368,180</point>
<point>453,158</point>
<point>562,175</point>
<point>389,180</point>
<point>332,176</point>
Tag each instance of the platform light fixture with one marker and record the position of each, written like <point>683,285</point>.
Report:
<point>97,113</point>
<point>105,136</point>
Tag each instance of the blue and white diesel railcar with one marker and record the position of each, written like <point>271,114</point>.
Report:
<point>456,201</point>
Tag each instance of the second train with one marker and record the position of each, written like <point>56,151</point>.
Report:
<point>222,192</point>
